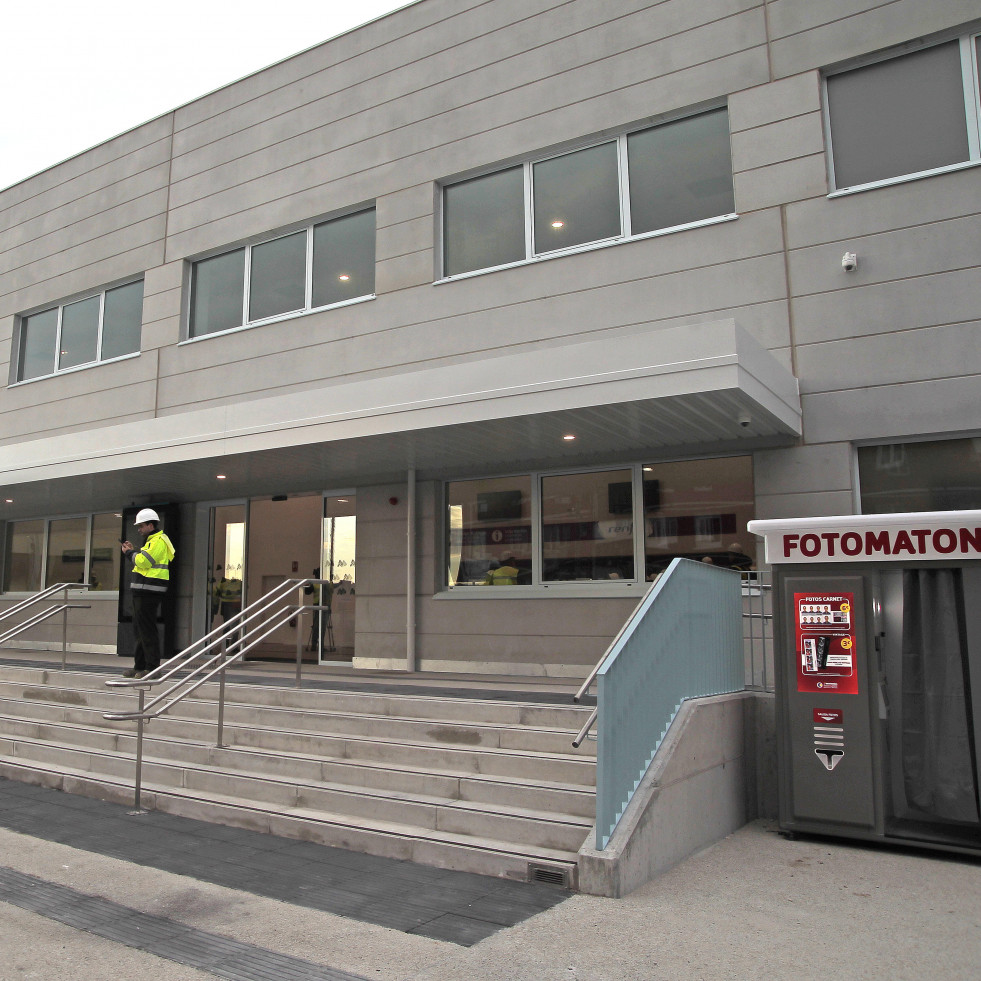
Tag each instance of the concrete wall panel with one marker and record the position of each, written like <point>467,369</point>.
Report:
<point>813,35</point>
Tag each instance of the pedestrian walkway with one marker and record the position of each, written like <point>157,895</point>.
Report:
<point>75,906</point>
<point>458,907</point>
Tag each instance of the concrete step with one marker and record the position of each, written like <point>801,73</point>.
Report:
<point>483,786</point>
<point>498,734</point>
<point>406,705</point>
<point>446,850</point>
<point>513,792</point>
<point>421,812</point>
<point>571,768</point>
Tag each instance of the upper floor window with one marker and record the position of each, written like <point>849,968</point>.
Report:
<point>927,475</point>
<point>906,116</point>
<point>325,264</point>
<point>96,328</point>
<point>653,180</point>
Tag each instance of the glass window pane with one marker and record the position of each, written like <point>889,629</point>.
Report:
<point>937,475</point>
<point>66,551</point>
<point>278,280</point>
<point>897,117</point>
<point>587,526</point>
<point>577,198</point>
<point>104,551</point>
<point>79,332</point>
<point>217,288</point>
<point>122,321</point>
<point>484,222</point>
<point>38,337</point>
<point>344,258</point>
<point>680,172</point>
<point>489,529</point>
<point>698,509</point>
<point>22,564</point>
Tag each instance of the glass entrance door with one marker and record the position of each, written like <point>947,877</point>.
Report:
<point>226,563</point>
<point>336,626</point>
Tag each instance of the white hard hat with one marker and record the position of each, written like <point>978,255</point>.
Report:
<point>147,514</point>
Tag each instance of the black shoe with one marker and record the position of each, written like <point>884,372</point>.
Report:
<point>139,674</point>
<point>131,673</point>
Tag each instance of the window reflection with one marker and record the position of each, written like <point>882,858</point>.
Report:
<point>577,198</point>
<point>66,550</point>
<point>698,509</point>
<point>344,258</point>
<point>104,554</point>
<point>278,277</point>
<point>38,337</point>
<point>24,556</point>
<point>933,475</point>
<point>217,288</point>
<point>484,222</point>
<point>680,172</point>
<point>79,333</point>
<point>587,526</point>
<point>489,531</point>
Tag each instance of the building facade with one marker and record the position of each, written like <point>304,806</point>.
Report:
<point>487,310</point>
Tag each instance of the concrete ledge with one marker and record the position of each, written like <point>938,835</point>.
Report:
<point>700,788</point>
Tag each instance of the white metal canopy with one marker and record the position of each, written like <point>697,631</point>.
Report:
<point>698,389</point>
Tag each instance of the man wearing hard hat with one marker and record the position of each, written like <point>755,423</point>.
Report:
<point>149,579</point>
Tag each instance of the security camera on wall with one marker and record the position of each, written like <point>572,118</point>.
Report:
<point>744,419</point>
<point>849,262</point>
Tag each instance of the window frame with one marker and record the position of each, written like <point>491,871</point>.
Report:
<point>539,587</point>
<point>971,88</point>
<point>247,248</point>
<point>891,445</point>
<point>625,217</point>
<point>88,516</point>
<point>21,325</point>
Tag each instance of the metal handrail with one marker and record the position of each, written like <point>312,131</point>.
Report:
<point>591,677</point>
<point>229,642</point>
<point>44,595</point>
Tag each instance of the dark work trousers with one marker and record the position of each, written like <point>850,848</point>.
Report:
<point>146,654</point>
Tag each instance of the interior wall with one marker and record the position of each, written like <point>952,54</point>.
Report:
<point>283,543</point>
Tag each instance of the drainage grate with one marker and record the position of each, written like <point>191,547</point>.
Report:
<point>552,875</point>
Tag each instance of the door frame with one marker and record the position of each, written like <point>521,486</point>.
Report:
<point>200,597</point>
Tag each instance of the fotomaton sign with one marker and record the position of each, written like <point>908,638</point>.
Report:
<point>914,537</point>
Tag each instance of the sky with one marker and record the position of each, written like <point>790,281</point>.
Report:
<point>73,75</point>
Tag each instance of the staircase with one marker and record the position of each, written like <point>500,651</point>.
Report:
<point>452,780</point>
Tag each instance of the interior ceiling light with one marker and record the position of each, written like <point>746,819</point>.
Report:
<point>558,223</point>
<point>569,437</point>
<point>219,476</point>
<point>343,277</point>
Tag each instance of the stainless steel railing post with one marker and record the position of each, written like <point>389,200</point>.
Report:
<point>64,631</point>
<point>221,700</point>
<point>139,751</point>
<point>299,637</point>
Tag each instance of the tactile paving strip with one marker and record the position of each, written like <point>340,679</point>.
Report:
<point>220,956</point>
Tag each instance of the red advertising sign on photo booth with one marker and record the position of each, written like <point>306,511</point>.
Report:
<point>825,632</point>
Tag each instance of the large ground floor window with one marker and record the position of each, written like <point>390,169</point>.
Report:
<point>598,525</point>
<point>42,552</point>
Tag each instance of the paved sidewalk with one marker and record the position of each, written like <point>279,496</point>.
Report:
<point>754,905</point>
